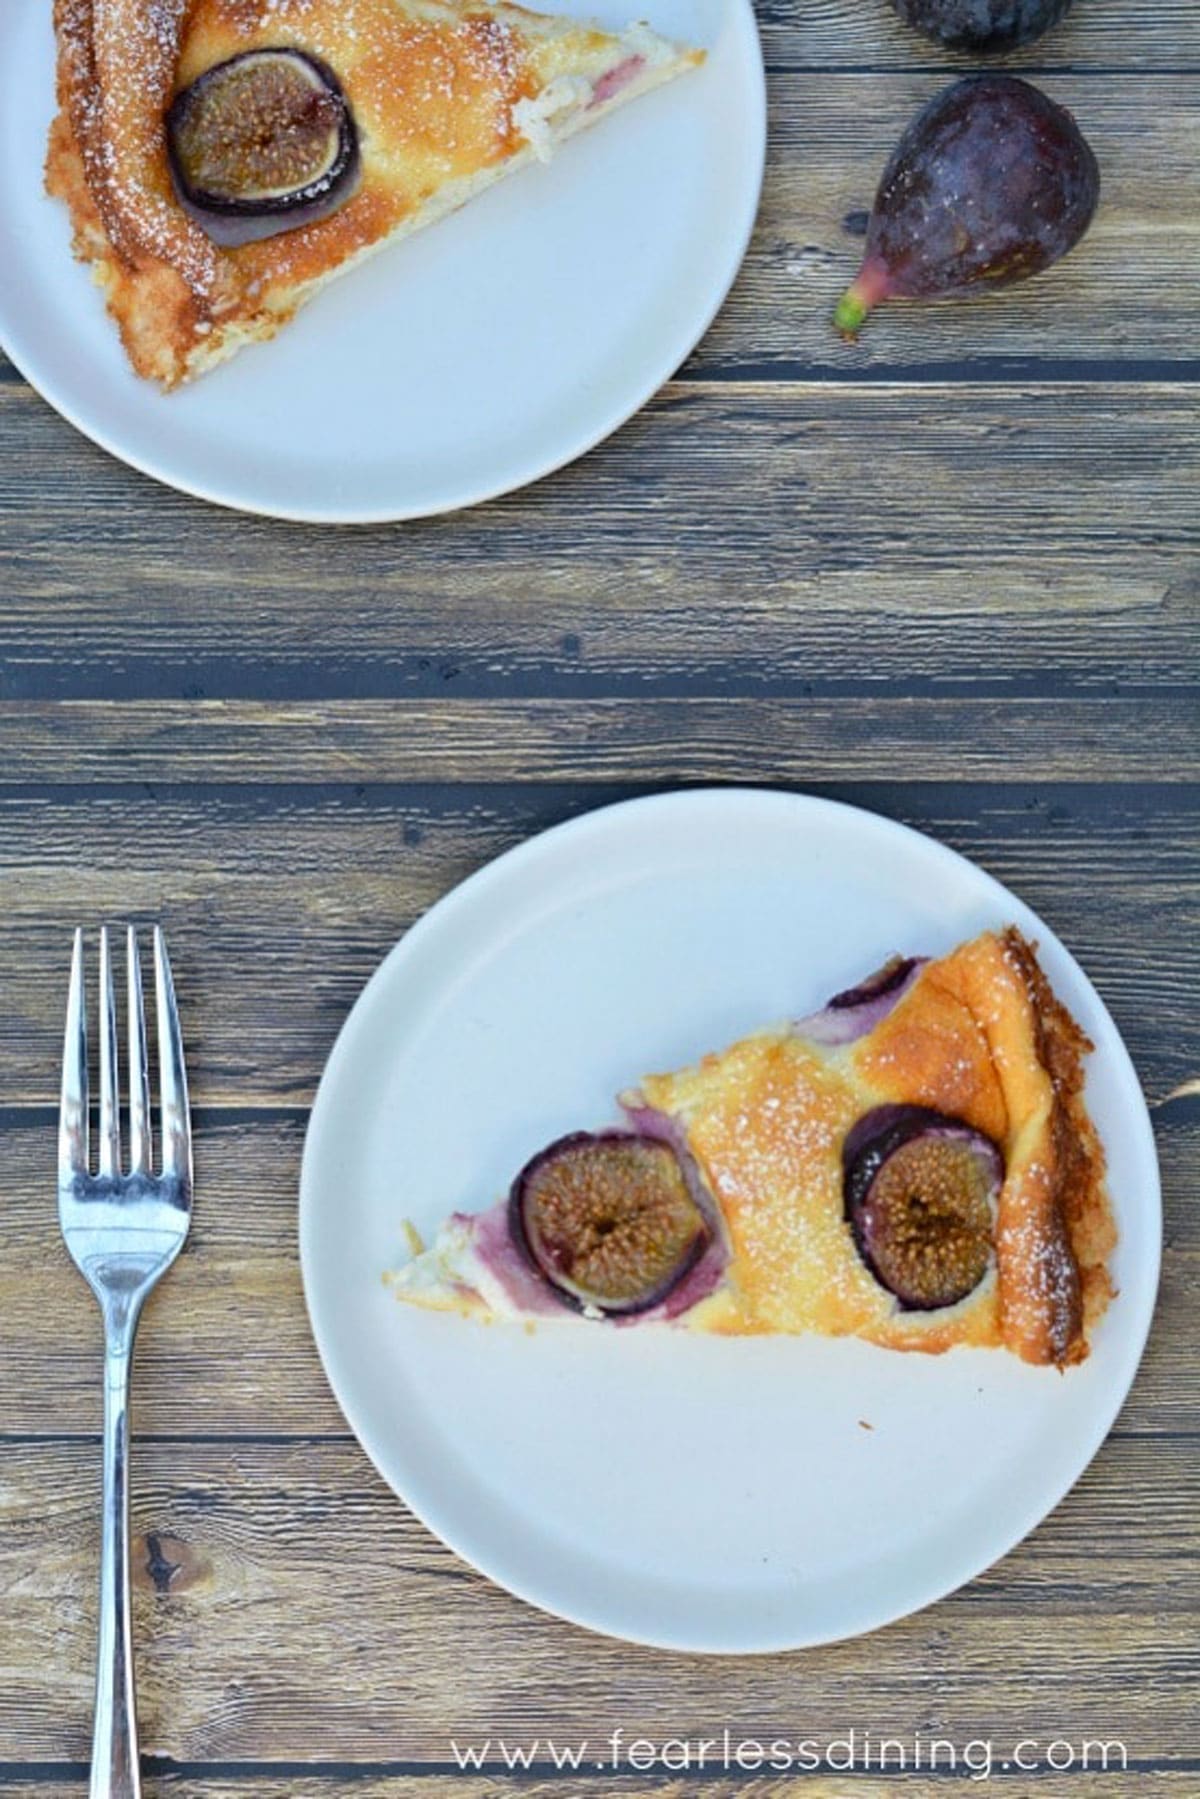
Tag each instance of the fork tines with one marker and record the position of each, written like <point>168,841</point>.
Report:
<point>73,1142</point>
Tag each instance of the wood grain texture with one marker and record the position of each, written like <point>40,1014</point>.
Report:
<point>165,1782</point>
<point>1031,539</point>
<point>315,1612</point>
<point>226,1349</point>
<point>280,900</point>
<point>240,743</point>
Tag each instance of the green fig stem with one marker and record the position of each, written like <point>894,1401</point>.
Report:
<point>869,286</point>
<point>850,314</point>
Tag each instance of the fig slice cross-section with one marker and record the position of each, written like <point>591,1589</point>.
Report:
<point>609,1220</point>
<point>262,143</point>
<point>921,1191</point>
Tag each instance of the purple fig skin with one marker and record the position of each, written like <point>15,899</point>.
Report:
<point>543,1259</point>
<point>886,980</point>
<point>990,184</point>
<point>869,1146</point>
<point>983,26</point>
<point>230,221</point>
<point>857,1010</point>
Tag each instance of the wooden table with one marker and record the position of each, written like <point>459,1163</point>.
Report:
<point>951,575</point>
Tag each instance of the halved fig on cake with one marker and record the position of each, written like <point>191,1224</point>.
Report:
<point>609,1220</point>
<point>262,143</point>
<point>920,1192</point>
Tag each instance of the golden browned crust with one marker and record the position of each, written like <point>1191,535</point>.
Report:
<point>432,84</point>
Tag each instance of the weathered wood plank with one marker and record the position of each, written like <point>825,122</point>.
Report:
<point>1159,1781</point>
<point>309,1617</point>
<point>1106,34</point>
<point>1019,539</point>
<point>1153,737</point>
<point>226,1348</point>
<point>280,902</point>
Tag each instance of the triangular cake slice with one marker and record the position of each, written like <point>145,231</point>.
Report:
<point>224,159</point>
<point>914,1165</point>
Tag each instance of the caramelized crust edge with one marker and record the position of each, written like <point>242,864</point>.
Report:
<point>1082,1213</point>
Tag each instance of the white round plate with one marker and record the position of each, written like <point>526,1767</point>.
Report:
<point>473,358</point>
<point>691,1492</point>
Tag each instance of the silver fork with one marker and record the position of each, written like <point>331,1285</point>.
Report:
<point>123,1231</point>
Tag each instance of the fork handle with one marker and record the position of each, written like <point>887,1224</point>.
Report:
<point>114,1739</point>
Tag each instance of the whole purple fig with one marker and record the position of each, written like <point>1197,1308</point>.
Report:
<point>982,25</point>
<point>991,183</point>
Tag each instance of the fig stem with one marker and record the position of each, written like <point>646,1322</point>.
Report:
<point>869,286</point>
<point>850,314</point>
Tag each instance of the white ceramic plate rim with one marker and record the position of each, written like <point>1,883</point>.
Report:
<point>1137,1298</point>
<point>37,368</point>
